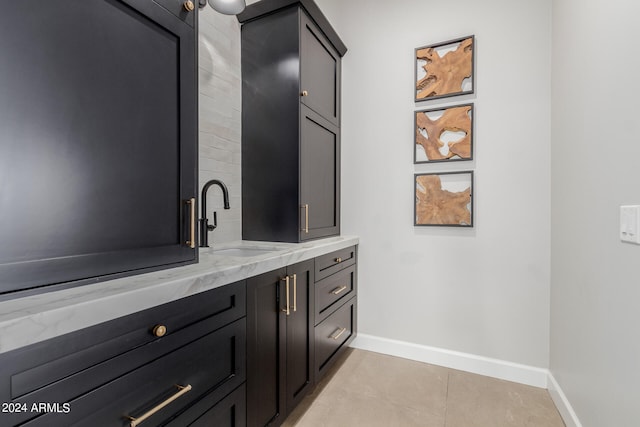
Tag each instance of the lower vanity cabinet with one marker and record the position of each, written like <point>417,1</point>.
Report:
<point>335,307</point>
<point>243,354</point>
<point>280,344</point>
<point>170,365</point>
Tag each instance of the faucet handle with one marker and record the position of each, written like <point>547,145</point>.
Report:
<point>215,222</point>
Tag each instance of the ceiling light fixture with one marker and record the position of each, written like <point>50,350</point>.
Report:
<point>226,7</point>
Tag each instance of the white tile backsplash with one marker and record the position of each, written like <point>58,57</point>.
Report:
<point>220,102</point>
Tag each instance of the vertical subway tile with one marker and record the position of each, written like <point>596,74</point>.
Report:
<point>219,107</point>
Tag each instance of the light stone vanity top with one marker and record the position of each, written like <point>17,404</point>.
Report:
<point>35,318</point>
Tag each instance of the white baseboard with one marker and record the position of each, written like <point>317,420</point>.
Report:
<point>496,368</point>
<point>562,403</point>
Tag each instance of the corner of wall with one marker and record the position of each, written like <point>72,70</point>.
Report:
<point>562,403</point>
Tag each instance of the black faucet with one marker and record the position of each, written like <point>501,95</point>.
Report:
<point>204,222</point>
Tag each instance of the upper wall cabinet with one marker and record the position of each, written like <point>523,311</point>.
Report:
<point>98,140</point>
<point>290,122</point>
<point>319,72</point>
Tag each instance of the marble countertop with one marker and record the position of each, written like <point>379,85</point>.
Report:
<point>36,318</point>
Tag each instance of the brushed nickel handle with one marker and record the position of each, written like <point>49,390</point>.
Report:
<point>188,6</point>
<point>305,93</point>
<point>295,293</point>
<point>339,290</point>
<point>286,282</point>
<point>159,331</point>
<point>338,333</point>
<point>192,223</point>
<point>181,390</point>
<point>338,260</point>
<point>306,218</point>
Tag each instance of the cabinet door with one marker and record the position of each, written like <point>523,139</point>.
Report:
<point>300,333</point>
<point>98,121</point>
<point>319,176</point>
<point>319,72</point>
<point>280,342</point>
<point>266,329</point>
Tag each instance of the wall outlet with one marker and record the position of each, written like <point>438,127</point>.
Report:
<point>630,224</point>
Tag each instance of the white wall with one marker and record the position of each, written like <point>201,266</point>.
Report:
<point>485,290</point>
<point>595,345</point>
<point>220,105</point>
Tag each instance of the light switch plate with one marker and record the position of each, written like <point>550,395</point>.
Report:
<point>630,224</point>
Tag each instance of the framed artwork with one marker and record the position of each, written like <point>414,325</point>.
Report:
<point>444,199</point>
<point>445,69</point>
<point>444,134</point>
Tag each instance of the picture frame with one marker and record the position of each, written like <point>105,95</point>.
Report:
<point>443,134</point>
<point>445,69</point>
<point>443,199</point>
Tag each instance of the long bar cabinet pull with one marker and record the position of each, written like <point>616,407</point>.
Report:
<point>181,391</point>
<point>192,223</point>
<point>286,284</point>
<point>295,293</point>
<point>339,290</point>
<point>306,218</point>
<point>338,333</point>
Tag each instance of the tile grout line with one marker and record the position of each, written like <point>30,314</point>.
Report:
<point>446,399</point>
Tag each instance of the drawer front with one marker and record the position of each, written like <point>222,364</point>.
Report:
<point>229,412</point>
<point>333,333</point>
<point>67,366</point>
<point>213,365</point>
<point>333,290</point>
<point>329,264</point>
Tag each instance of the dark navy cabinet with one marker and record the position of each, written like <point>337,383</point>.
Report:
<point>291,62</point>
<point>336,307</point>
<point>98,140</point>
<point>280,343</point>
<point>241,354</point>
<point>300,320</point>
<point>177,364</point>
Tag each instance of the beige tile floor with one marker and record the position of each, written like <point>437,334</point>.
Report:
<point>369,389</point>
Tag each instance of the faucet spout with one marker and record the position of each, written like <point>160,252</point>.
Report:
<point>204,222</point>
